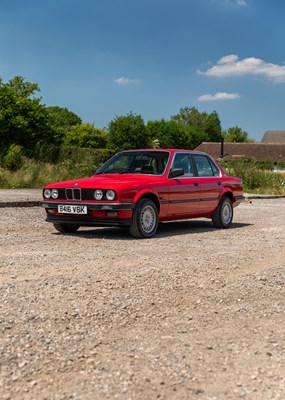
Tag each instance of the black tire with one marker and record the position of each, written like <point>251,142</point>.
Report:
<point>144,220</point>
<point>223,216</point>
<point>66,228</point>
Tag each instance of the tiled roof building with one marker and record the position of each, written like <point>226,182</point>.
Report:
<point>259,151</point>
<point>273,137</point>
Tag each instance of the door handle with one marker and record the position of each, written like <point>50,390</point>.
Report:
<point>196,183</point>
<point>219,183</point>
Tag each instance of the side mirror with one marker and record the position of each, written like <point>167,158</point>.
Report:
<point>176,172</point>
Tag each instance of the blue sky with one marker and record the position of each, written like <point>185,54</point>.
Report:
<point>102,58</point>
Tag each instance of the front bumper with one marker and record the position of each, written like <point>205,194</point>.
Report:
<point>90,206</point>
<point>88,221</point>
<point>98,214</point>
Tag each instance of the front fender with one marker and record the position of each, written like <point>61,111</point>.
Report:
<point>146,193</point>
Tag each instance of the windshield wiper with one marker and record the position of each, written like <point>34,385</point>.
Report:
<point>128,170</point>
<point>116,171</point>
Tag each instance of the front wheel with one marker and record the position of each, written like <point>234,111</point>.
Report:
<point>144,220</point>
<point>66,228</point>
<point>223,216</point>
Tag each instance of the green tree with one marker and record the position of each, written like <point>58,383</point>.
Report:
<point>190,117</point>
<point>85,135</point>
<point>61,120</point>
<point>24,121</point>
<point>201,126</point>
<point>236,135</point>
<point>169,134</point>
<point>213,127</point>
<point>127,132</point>
<point>196,136</point>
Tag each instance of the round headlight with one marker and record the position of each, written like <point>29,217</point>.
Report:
<point>54,193</point>
<point>110,195</point>
<point>98,194</point>
<point>47,193</point>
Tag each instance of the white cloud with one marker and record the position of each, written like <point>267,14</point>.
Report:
<point>231,65</point>
<point>231,2</point>
<point>219,96</point>
<point>126,81</point>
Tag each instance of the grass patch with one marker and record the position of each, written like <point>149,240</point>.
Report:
<point>35,174</point>
<point>255,177</point>
<point>17,171</point>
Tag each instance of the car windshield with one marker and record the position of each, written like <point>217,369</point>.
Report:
<point>136,162</point>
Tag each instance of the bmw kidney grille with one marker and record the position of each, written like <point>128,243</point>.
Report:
<point>73,194</point>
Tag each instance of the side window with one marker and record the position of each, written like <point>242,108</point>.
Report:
<point>216,170</point>
<point>203,165</point>
<point>182,160</point>
<point>161,162</point>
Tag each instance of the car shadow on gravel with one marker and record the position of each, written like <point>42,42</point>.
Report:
<point>192,226</point>
<point>165,229</point>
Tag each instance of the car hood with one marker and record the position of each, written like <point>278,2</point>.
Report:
<point>106,181</point>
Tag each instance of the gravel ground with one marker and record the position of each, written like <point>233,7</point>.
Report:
<point>193,313</point>
<point>16,195</point>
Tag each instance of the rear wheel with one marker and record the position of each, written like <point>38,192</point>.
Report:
<point>66,228</point>
<point>223,216</point>
<point>145,219</point>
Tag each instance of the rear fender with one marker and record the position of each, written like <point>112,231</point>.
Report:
<point>227,193</point>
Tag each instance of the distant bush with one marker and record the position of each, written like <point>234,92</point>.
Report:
<point>85,135</point>
<point>14,158</point>
<point>56,154</point>
<point>71,163</point>
<point>257,177</point>
<point>95,157</point>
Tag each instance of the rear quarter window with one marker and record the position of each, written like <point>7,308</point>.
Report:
<point>205,166</point>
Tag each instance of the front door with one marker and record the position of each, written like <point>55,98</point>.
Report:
<point>183,190</point>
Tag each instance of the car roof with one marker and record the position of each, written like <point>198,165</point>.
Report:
<point>166,150</point>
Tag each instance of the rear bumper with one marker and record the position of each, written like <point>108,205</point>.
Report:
<point>239,199</point>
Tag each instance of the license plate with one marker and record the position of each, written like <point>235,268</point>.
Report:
<point>69,209</point>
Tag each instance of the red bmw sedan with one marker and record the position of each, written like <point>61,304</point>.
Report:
<point>140,188</point>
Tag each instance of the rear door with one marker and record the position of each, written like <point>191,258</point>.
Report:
<point>210,182</point>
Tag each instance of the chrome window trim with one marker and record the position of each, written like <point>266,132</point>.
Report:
<point>190,154</point>
<point>210,158</point>
<point>141,151</point>
<point>172,162</point>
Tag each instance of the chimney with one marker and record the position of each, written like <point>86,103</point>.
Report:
<point>222,149</point>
